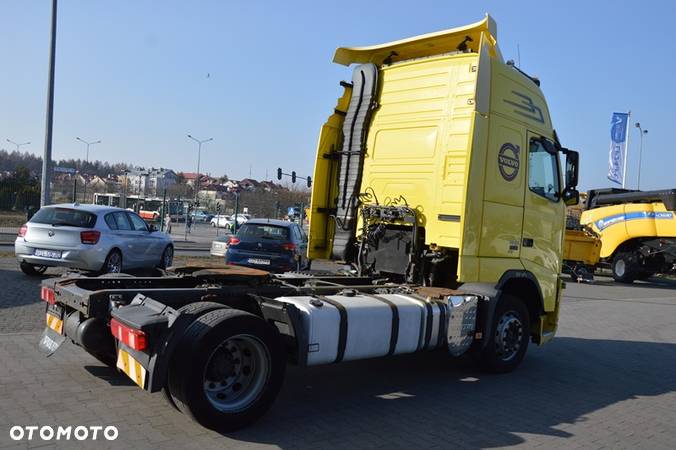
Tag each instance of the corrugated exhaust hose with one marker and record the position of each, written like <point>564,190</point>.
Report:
<point>355,131</point>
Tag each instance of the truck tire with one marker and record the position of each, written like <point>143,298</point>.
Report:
<point>186,315</point>
<point>624,267</point>
<point>509,336</point>
<point>231,369</point>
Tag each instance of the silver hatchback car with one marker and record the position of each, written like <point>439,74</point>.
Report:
<point>90,237</point>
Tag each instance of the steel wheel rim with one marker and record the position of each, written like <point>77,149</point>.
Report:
<point>620,267</point>
<point>236,373</point>
<point>168,257</point>
<point>508,335</point>
<point>114,264</point>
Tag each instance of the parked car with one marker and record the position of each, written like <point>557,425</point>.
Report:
<point>94,238</point>
<point>220,245</point>
<point>241,218</point>
<point>272,245</point>
<point>200,215</point>
<point>221,221</point>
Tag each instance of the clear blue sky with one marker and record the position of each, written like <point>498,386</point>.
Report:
<point>134,74</point>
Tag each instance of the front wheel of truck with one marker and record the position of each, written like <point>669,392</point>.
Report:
<point>509,336</point>
<point>232,368</point>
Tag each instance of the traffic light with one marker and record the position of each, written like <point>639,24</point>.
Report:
<point>309,181</point>
<point>218,207</point>
<point>293,177</point>
<point>279,173</point>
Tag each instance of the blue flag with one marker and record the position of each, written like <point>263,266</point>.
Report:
<point>618,146</point>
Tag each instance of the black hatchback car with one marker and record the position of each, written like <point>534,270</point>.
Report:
<point>268,244</point>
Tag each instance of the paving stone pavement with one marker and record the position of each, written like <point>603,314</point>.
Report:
<point>607,380</point>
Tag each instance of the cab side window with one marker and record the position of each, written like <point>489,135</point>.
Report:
<point>543,172</point>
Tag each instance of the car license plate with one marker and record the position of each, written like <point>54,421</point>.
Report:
<point>134,370</point>
<point>265,262</point>
<point>54,318</point>
<point>54,254</point>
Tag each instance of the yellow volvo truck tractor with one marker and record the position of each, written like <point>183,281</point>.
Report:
<point>637,231</point>
<point>437,178</point>
<point>440,167</point>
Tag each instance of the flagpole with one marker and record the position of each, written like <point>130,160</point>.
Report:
<point>626,150</point>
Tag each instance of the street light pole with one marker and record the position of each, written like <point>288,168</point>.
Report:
<point>45,187</point>
<point>88,144</point>
<point>86,163</point>
<point>17,145</point>
<point>199,153</point>
<point>640,152</point>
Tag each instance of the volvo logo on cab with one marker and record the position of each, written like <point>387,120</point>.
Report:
<point>508,161</point>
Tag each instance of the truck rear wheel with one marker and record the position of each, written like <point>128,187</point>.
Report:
<point>624,267</point>
<point>509,336</point>
<point>231,369</point>
<point>186,315</point>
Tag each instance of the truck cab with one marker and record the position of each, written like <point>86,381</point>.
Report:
<point>440,167</point>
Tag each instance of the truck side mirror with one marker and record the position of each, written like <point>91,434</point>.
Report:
<point>571,197</point>
<point>570,194</point>
<point>572,164</point>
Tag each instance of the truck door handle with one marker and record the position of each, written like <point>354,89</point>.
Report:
<point>527,242</point>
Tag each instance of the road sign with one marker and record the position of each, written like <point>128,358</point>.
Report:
<point>69,170</point>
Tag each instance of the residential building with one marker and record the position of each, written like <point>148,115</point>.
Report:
<point>149,182</point>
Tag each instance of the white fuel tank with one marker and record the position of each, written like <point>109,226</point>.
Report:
<point>348,327</point>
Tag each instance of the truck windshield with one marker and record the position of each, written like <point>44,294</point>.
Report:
<point>64,217</point>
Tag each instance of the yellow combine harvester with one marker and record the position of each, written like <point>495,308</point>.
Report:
<point>637,231</point>
<point>581,245</point>
<point>581,253</point>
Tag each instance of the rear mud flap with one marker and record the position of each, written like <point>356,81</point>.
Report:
<point>50,341</point>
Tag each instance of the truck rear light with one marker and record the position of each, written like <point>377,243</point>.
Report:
<point>135,339</point>
<point>22,230</point>
<point>289,246</point>
<point>233,241</point>
<point>47,294</point>
<point>90,237</point>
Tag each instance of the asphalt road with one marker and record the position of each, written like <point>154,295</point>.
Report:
<point>607,380</point>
